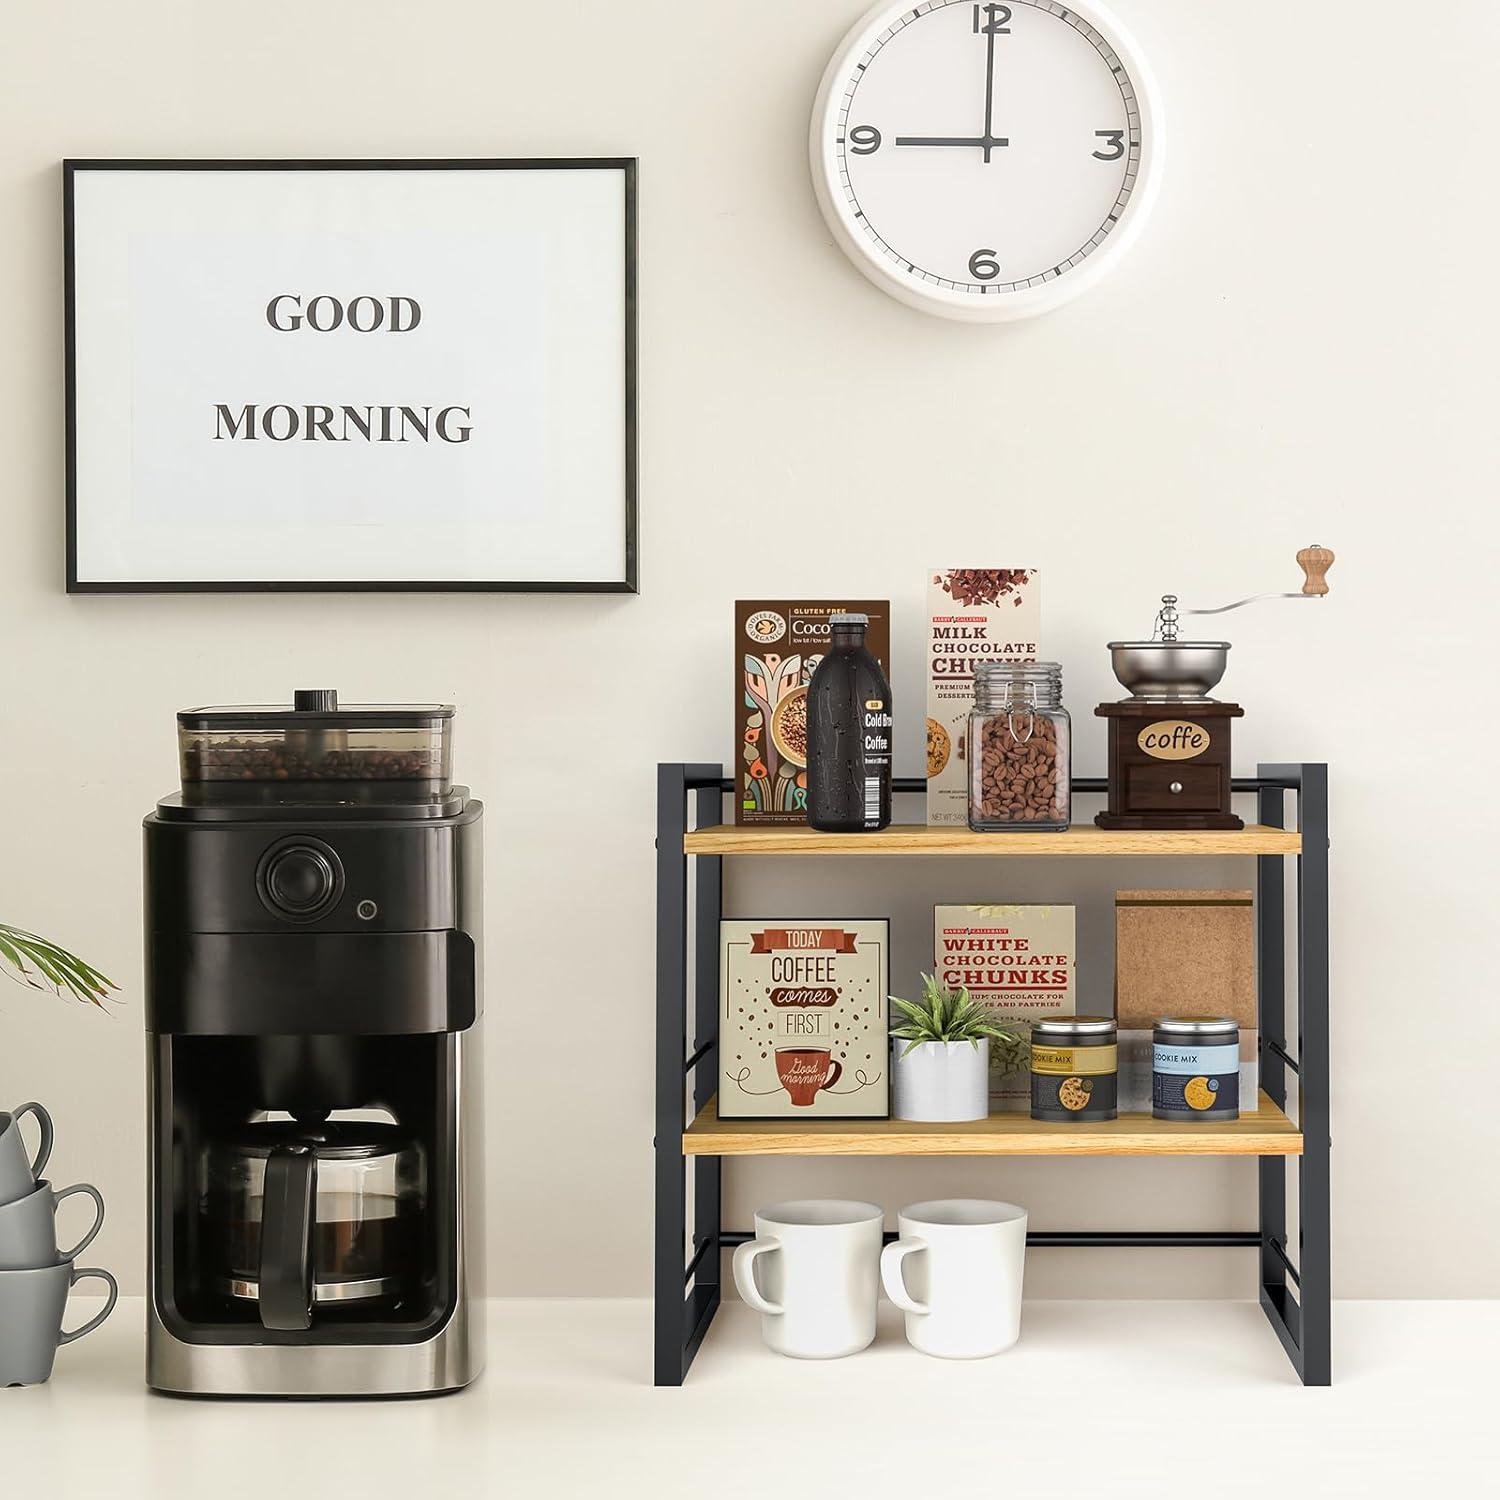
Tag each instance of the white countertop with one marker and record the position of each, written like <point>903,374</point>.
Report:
<point>1182,1397</point>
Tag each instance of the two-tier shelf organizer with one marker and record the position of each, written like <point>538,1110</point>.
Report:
<point>690,1235</point>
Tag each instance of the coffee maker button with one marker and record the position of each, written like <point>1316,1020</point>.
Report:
<point>367,911</point>
<point>300,880</point>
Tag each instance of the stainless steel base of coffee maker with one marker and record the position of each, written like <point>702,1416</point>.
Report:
<point>447,1361</point>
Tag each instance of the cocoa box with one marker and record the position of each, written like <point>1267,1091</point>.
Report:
<point>778,645</point>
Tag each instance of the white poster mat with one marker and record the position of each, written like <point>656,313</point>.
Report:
<point>508,464</point>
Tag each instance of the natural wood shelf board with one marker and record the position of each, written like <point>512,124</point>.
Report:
<point>1267,1132</point>
<point>917,838</point>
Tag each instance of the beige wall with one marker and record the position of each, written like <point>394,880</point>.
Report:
<point>1301,347</point>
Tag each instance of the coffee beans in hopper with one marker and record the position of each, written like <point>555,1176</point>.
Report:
<point>235,760</point>
<point>1018,772</point>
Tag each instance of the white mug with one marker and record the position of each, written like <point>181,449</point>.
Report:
<point>956,1272</point>
<point>818,1281</point>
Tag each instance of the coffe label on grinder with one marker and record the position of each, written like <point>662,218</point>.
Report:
<point>1174,739</point>
<point>802,1018</point>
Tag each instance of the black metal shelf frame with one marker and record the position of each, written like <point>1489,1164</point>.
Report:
<point>1294,1288</point>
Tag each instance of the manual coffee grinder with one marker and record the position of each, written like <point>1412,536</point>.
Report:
<point>313,1009</point>
<point>1169,742</point>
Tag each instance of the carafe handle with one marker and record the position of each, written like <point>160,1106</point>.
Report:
<point>286,1259</point>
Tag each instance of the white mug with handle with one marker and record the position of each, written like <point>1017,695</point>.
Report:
<point>813,1273</point>
<point>956,1272</point>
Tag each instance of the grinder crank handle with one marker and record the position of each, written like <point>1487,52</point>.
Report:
<point>1315,562</point>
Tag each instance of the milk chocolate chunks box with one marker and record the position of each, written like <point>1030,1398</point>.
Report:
<point>973,615</point>
<point>1021,961</point>
<point>802,1019</point>
<point>1184,953</point>
<point>778,645</point>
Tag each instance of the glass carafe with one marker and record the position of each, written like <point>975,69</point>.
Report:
<point>297,1216</point>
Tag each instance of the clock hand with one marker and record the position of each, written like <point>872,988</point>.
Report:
<point>989,94</point>
<point>950,140</point>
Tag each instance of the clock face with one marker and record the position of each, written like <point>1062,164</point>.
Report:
<point>983,160</point>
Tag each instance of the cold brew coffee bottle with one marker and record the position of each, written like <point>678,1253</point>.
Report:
<point>848,735</point>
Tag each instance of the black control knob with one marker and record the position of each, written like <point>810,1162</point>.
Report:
<point>300,880</point>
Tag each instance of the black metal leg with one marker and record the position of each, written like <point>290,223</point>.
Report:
<point>1314,1260</point>
<point>682,1318</point>
<point>671,1041</point>
<point>1302,1322</point>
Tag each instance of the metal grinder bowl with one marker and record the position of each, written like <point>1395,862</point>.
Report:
<point>1169,671</point>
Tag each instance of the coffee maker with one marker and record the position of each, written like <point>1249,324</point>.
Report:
<point>313,1009</point>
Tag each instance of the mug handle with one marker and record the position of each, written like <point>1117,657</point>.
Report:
<point>44,1124</point>
<point>893,1274</point>
<point>88,1239</point>
<point>744,1275</point>
<point>98,1318</point>
<point>835,1072</point>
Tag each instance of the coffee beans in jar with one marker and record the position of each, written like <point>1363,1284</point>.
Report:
<point>1019,748</point>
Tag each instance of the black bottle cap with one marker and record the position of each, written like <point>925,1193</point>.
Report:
<point>315,701</point>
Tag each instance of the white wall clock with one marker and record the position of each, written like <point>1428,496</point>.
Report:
<point>986,161</point>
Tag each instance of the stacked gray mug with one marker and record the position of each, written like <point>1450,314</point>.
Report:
<point>35,1274</point>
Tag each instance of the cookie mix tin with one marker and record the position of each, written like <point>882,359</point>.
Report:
<point>1074,1068</point>
<point>1195,1068</point>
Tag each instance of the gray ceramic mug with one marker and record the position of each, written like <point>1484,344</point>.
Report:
<point>28,1227</point>
<point>31,1313</point>
<point>18,1173</point>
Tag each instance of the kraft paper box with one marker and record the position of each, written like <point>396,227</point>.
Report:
<point>973,615</point>
<point>1021,961</point>
<point>803,1031</point>
<point>1184,953</point>
<point>778,645</point>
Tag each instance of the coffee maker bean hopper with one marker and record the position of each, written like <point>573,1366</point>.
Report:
<point>314,1016</point>
<point>1169,741</point>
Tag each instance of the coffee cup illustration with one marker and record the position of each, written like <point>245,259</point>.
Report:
<point>803,1071</point>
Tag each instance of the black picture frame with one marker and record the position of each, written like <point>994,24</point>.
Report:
<point>627,165</point>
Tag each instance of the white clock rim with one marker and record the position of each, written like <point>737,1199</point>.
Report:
<point>963,306</point>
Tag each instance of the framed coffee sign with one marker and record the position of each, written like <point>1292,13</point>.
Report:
<point>802,1019</point>
<point>351,375</point>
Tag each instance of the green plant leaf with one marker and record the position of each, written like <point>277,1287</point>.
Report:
<point>30,956</point>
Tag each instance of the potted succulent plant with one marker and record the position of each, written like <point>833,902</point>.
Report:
<point>942,1072</point>
<point>40,964</point>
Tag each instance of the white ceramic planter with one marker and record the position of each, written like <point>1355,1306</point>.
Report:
<point>940,1080</point>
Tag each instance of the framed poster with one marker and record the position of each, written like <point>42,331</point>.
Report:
<point>803,1020</point>
<point>401,375</point>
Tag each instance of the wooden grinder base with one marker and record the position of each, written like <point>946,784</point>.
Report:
<point>1189,787</point>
